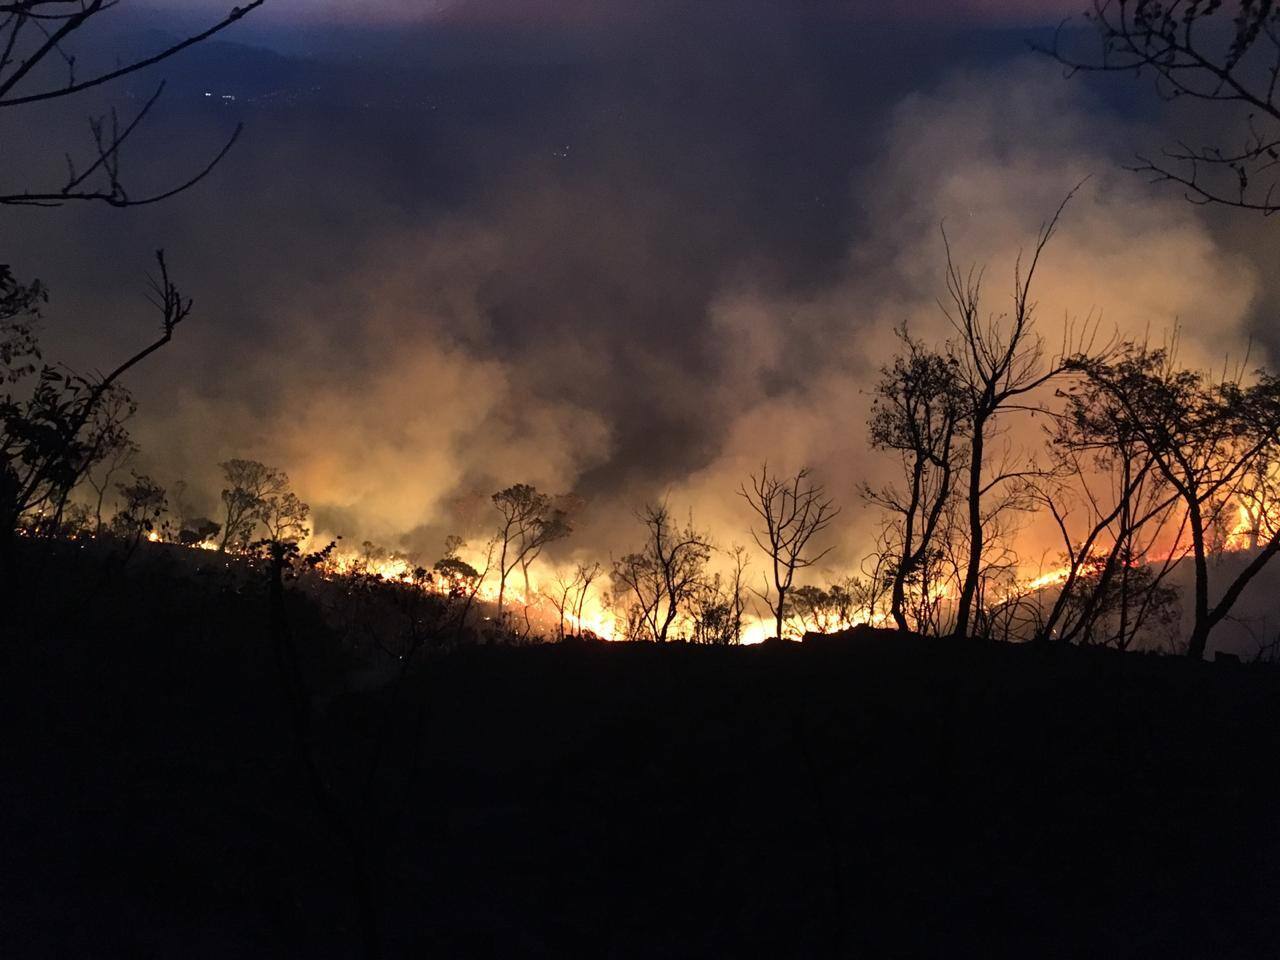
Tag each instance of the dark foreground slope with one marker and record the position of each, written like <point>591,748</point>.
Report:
<point>895,797</point>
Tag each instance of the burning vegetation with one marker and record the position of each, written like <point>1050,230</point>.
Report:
<point>1073,492</point>
<point>1144,471</point>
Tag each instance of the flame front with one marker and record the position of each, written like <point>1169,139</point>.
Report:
<point>1254,518</point>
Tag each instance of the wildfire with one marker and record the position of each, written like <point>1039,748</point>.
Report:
<point>1053,578</point>
<point>1254,519</point>
<point>1255,522</point>
<point>536,605</point>
<point>596,618</point>
<point>395,569</point>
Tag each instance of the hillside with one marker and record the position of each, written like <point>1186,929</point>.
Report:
<point>891,796</point>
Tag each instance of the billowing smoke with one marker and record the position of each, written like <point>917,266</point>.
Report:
<point>988,158</point>
<point>627,281</point>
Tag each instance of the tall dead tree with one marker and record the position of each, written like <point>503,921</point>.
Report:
<point>1001,360</point>
<point>792,511</point>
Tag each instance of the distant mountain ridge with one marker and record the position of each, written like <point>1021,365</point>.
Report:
<point>236,68</point>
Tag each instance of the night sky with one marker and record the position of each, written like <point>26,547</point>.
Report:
<point>618,254</point>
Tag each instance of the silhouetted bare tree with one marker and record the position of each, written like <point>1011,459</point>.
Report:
<point>530,521</point>
<point>587,574</point>
<point>920,412</point>
<point>567,593</point>
<point>660,580</point>
<point>793,510</point>
<point>558,592</point>
<point>1112,508</point>
<point>719,602</point>
<point>1223,53</point>
<point>1000,361</point>
<point>38,39</point>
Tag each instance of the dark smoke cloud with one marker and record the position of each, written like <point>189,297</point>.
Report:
<point>625,273</point>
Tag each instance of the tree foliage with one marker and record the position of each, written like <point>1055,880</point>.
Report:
<point>257,494</point>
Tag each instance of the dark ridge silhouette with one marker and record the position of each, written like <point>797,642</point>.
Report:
<point>865,794</point>
<point>856,637</point>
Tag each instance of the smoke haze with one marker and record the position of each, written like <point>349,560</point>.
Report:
<point>637,271</point>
